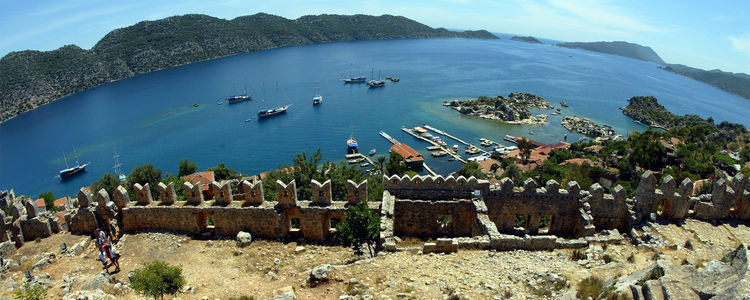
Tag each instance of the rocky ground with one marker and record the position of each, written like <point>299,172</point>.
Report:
<point>220,269</point>
<point>512,110</point>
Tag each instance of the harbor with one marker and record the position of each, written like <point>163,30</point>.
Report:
<point>435,144</point>
<point>468,145</point>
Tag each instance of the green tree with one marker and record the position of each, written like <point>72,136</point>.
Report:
<point>49,200</point>
<point>380,163</point>
<point>524,146</point>
<point>361,227</point>
<point>179,188</point>
<point>30,291</point>
<point>108,182</point>
<point>395,165</point>
<point>187,167</point>
<point>156,279</point>
<point>145,174</point>
<point>221,172</point>
<point>647,152</point>
<point>471,169</point>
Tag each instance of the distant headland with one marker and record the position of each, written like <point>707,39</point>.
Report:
<point>619,48</point>
<point>528,39</point>
<point>155,45</point>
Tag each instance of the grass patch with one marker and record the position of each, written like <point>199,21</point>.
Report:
<point>577,255</point>
<point>655,273</point>
<point>590,287</point>
<point>608,258</point>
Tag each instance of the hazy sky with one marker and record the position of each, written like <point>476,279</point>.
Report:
<point>698,33</point>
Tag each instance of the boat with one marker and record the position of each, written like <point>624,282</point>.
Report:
<point>355,160</point>
<point>364,164</point>
<point>486,143</point>
<point>351,145</point>
<point>439,153</point>
<point>195,105</point>
<point>420,130</point>
<point>564,104</point>
<point>317,99</point>
<point>455,147</point>
<point>392,79</point>
<point>376,83</point>
<point>510,138</point>
<point>71,171</point>
<point>472,150</point>
<point>433,148</point>
<point>249,120</point>
<point>220,103</point>
<point>451,158</point>
<point>117,166</point>
<point>531,132</point>
<point>478,158</point>
<point>239,98</point>
<point>273,111</point>
<point>356,79</point>
<point>372,152</point>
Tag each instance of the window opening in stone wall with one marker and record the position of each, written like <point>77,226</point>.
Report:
<point>294,224</point>
<point>521,222</point>
<point>332,223</point>
<point>320,193</point>
<point>444,220</point>
<point>545,224</point>
<point>660,207</point>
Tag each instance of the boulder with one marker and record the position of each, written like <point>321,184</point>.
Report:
<point>321,273</point>
<point>97,294</point>
<point>244,238</point>
<point>94,282</point>
<point>285,293</point>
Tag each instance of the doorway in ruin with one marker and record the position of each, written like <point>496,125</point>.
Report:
<point>545,224</point>
<point>522,222</point>
<point>332,223</point>
<point>444,224</point>
<point>663,206</point>
<point>205,221</point>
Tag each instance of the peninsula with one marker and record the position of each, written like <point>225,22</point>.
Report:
<point>34,78</point>
<point>511,110</point>
<point>618,48</point>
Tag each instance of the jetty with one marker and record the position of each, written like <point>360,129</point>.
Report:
<point>455,138</point>
<point>434,144</point>
<point>358,156</point>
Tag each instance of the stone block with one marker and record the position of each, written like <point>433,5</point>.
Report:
<point>84,198</point>
<point>668,186</point>
<point>30,208</point>
<point>193,193</point>
<point>35,228</point>
<point>142,193</point>
<point>529,186</point>
<point>121,197</point>
<point>253,192</point>
<point>648,182</point>
<point>506,185</point>
<point>321,192</point>
<point>356,192</point>
<point>287,193</point>
<point>222,192</point>
<point>167,194</point>
<point>573,188</point>
<point>552,186</point>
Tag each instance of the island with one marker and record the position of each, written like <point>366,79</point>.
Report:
<point>527,39</point>
<point>586,127</point>
<point>33,78</point>
<point>618,48</point>
<point>512,110</point>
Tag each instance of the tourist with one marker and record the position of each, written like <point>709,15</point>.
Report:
<point>113,257</point>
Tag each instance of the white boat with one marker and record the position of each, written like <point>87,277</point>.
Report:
<point>372,152</point>
<point>439,154</point>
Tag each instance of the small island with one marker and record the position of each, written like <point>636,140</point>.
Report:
<point>528,39</point>
<point>586,127</point>
<point>512,110</point>
<point>646,110</point>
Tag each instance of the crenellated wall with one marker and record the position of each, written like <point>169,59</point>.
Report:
<point>470,211</point>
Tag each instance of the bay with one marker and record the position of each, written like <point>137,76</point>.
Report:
<point>150,118</point>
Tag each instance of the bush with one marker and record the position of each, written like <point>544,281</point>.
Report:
<point>360,227</point>
<point>655,273</point>
<point>577,255</point>
<point>608,258</point>
<point>590,287</point>
<point>30,292</point>
<point>156,279</point>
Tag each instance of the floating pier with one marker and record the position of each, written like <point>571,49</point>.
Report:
<point>449,151</point>
<point>455,138</point>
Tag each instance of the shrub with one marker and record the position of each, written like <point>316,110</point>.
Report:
<point>608,258</point>
<point>688,245</point>
<point>30,292</point>
<point>590,287</point>
<point>577,255</point>
<point>655,273</point>
<point>361,227</point>
<point>156,279</point>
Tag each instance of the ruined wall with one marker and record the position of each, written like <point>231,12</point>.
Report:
<point>423,218</point>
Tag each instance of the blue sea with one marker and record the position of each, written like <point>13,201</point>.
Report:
<point>151,118</point>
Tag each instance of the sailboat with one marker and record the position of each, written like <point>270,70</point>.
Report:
<point>264,113</point>
<point>239,98</point>
<point>376,83</point>
<point>71,171</point>
<point>117,166</point>
<point>318,98</point>
<point>354,79</point>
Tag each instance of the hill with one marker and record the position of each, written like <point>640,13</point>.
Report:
<point>735,83</point>
<point>528,39</point>
<point>33,78</point>
<point>618,48</point>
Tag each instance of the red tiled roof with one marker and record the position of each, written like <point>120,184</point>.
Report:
<point>60,202</point>
<point>486,165</point>
<point>407,153</point>
<point>205,178</point>
<point>39,202</point>
<point>577,161</point>
<point>697,185</point>
<point>61,217</point>
<point>533,142</point>
<point>593,148</point>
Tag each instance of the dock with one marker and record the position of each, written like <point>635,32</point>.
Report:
<point>429,170</point>
<point>455,138</point>
<point>449,151</point>
<point>360,155</point>
<point>389,138</point>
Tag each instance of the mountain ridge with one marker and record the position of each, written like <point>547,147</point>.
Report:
<point>33,78</point>
<point>620,48</point>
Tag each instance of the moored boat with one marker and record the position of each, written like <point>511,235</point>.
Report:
<point>376,83</point>
<point>352,146</point>
<point>317,99</point>
<point>439,153</point>
<point>356,79</point>
<point>70,171</point>
<point>372,152</point>
<point>273,111</point>
<point>239,98</point>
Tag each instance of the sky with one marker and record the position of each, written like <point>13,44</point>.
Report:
<point>697,33</point>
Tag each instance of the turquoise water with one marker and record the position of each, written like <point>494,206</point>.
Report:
<point>151,118</point>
